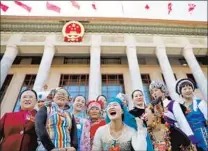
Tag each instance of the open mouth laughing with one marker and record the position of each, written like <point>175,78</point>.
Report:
<point>112,113</point>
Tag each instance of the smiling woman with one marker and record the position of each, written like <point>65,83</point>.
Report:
<point>55,127</point>
<point>120,132</point>
<point>17,129</point>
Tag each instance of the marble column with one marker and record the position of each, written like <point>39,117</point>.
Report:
<point>9,56</point>
<point>166,68</point>
<point>45,65</point>
<point>196,70</point>
<point>95,75</point>
<point>134,70</point>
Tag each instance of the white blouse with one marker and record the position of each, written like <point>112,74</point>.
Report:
<point>129,138</point>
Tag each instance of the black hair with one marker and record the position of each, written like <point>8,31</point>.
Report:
<point>132,94</point>
<point>102,96</point>
<point>36,96</point>
<point>186,84</point>
<point>81,96</point>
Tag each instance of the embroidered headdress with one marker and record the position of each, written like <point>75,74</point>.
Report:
<point>180,83</point>
<point>158,85</point>
<point>92,104</point>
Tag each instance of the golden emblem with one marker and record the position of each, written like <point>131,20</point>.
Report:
<point>73,31</point>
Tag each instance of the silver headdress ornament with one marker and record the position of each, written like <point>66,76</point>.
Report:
<point>122,96</point>
<point>158,85</point>
<point>180,82</point>
<point>42,96</point>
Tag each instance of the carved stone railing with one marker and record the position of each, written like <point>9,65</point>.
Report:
<point>5,37</point>
<point>197,41</point>
<point>33,38</point>
<point>171,40</point>
<point>104,28</point>
<point>144,39</point>
<point>114,38</point>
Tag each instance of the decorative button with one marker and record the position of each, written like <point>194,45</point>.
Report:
<point>78,126</point>
<point>22,132</point>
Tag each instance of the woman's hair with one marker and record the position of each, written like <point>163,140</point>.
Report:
<point>36,96</point>
<point>185,84</point>
<point>59,89</point>
<point>132,94</point>
<point>63,91</point>
<point>81,96</point>
<point>102,96</point>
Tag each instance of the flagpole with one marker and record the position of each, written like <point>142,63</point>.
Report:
<point>122,8</point>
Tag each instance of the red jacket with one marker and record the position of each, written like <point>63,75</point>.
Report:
<point>17,130</point>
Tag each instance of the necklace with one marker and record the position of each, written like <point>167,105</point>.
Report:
<point>115,135</point>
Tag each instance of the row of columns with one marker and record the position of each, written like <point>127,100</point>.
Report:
<point>95,75</point>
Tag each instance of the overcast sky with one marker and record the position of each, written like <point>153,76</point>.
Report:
<point>132,9</point>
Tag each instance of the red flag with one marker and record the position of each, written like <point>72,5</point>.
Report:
<point>170,7</point>
<point>53,7</point>
<point>75,4</point>
<point>26,7</point>
<point>94,6</point>
<point>191,7</point>
<point>3,7</point>
<point>147,6</point>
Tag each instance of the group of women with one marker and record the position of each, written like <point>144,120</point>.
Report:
<point>55,123</point>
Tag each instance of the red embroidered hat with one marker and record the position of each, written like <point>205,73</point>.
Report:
<point>94,103</point>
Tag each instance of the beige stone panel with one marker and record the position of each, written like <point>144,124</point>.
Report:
<point>205,70</point>
<point>181,71</point>
<point>11,95</point>
<point>57,70</point>
<point>19,72</point>
<point>153,70</point>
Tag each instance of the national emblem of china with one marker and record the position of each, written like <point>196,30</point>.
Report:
<point>73,31</point>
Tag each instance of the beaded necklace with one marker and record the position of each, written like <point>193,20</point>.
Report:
<point>159,114</point>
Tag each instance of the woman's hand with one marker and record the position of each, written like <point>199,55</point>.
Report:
<point>140,126</point>
<point>70,149</point>
<point>139,123</point>
<point>60,149</point>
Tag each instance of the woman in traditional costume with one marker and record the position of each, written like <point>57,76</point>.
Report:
<point>17,129</point>
<point>165,137</point>
<point>78,110</point>
<point>122,131</point>
<point>172,110</point>
<point>138,111</point>
<point>42,98</point>
<point>55,127</point>
<point>139,105</point>
<point>103,100</point>
<point>196,112</point>
<point>90,127</point>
